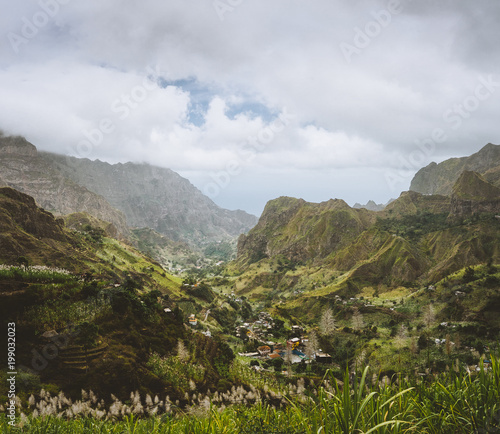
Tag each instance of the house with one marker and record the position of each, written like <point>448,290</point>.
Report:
<point>323,357</point>
<point>248,354</point>
<point>264,350</point>
<point>293,343</point>
<point>192,320</point>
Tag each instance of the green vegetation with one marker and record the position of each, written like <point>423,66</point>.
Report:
<point>456,402</point>
<point>414,226</point>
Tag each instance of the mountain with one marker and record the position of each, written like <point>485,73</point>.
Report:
<point>472,195</point>
<point>156,198</point>
<point>417,238</point>
<point>302,231</point>
<point>372,206</point>
<point>440,178</point>
<point>22,168</point>
<point>26,228</point>
<point>91,312</point>
<point>136,195</point>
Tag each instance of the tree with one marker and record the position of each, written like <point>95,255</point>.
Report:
<point>311,345</point>
<point>469,275</point>
<point>23,261</point>
<point>182,352</point>
<point>327,322</point>
<point>429,316</point>
<point>357,320</point>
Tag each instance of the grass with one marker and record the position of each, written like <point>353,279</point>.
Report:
<point>36,274</point>
<point>455,402</point>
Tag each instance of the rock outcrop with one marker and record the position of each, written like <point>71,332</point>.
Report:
<point>22,168</point>
<point>156,198</point>
<point>440,178</point>
<point>473,195</point>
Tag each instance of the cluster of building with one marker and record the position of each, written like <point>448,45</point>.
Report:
<point>258,330</point>
<point>292,350</point>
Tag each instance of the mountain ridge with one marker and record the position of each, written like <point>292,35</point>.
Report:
<point>440,178</point>
<point>126,195</point>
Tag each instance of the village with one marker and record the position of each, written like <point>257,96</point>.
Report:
<point>259,333</point>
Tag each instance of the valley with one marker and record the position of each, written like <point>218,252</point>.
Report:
<point>116,318</point>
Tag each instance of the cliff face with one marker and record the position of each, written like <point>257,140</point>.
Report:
<point>136,195</point>
<point>416,237</point>
<point>22,168</point>
<point>27,230</point>
<point>440,178</point>
<point>472,194</point>
<point>302,231</point>
<point>155,197</point>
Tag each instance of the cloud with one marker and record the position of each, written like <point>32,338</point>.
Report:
<point>223,80</point>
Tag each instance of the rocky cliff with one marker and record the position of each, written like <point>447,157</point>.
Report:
<point>415,238</point>
<point>440,178</point>
<point>303,231</point>
<point>155,197</point>
<point>22,168</point>
<point>136,195</point>
<point>473,195</point>
<point>27,230</point>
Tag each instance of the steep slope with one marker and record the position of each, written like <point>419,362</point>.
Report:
<point>440,178</point>
<point>26,230</point>
<point>472,194</point>
<point>22,168</point>
<point>302,231</point>
<point>410,202</point>
<point>331,248</point>
<point>29,231</point>
<point>157,198</point>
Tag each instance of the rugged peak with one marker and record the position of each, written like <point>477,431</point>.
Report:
<point>371,205</point>
<point>440,178</point>
<point>472,186</point>
<point>17,145</point>
<point>411,202</point>
<point>20,209</point>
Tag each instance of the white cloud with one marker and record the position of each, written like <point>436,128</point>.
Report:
<point>284,55</point>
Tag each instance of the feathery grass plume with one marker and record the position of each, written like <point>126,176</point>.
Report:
<point>327,322</point>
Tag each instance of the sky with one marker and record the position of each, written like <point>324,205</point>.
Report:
<point>251,99</point>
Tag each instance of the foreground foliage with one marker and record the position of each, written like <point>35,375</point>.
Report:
<point>455,402</point>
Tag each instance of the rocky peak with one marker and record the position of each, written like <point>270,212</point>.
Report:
<point>440,178</point>
<point>16,145</point>
<point>472,194</point>
<point>23,168</point>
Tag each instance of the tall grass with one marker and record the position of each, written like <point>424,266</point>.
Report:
<point>455,402</point>
<point>35,274</point>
